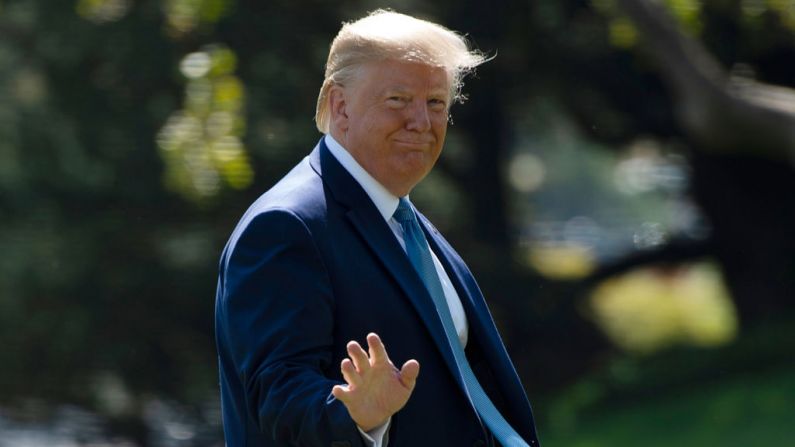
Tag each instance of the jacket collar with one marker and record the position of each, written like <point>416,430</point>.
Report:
<point>368,222</point>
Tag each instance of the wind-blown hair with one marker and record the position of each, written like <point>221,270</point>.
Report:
<point>387,35</point>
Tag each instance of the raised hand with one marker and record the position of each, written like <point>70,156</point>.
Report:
<point>375,388</point>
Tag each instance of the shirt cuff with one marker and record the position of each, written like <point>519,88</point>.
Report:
<point>376,437</point>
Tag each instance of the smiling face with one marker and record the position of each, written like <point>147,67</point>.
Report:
<point>393,120</point>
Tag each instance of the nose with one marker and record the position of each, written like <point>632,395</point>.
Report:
<point>418,117</point>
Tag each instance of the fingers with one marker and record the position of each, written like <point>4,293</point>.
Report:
<point>356,369</point>
<point>360,359</point>
<point>340,392</point>
<point>409,373</point>
<point>349,373</point>
<point>377,349</point>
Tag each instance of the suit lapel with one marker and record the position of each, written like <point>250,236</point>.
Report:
<point>370,224</point>
<point>481,325</point>
<point>482,328</point>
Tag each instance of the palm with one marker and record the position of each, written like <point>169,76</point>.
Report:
<point>375,388</point>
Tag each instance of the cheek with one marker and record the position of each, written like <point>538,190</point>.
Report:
<point>439,120</point>
<point>440,130</point>
<point>390,122</point>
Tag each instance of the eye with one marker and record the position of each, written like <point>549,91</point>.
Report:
<point>396,101</point>
<point>437,104</point>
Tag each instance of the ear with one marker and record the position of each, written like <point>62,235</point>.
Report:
<point>338,108</point>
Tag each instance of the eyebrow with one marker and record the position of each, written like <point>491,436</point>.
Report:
<point>389,91</point>
<point>395,90</point>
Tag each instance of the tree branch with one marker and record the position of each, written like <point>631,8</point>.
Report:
<point>720,113</point>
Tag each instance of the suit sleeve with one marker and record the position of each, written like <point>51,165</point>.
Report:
<point>277,318</point>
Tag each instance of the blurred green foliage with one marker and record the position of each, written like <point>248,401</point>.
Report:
<point>748,410</point>
<point>133,134</point>
<point>201,143</point>
<point>694,397</point>
<point>645,310</point>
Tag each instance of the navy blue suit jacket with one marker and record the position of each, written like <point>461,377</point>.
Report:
<point>312,265</point>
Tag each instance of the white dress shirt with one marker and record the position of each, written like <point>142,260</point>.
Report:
<point>387,203</point>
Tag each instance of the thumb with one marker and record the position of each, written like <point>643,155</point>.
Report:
<point>340,392</point>
<point>409,373</point>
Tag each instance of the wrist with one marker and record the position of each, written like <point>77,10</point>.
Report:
<point>370,425</point>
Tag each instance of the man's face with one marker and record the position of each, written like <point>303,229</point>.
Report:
<point>393,121</point>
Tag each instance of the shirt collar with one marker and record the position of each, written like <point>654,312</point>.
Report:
<point>384,201</point>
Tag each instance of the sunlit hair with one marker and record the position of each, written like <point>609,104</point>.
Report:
<point>387,35</point>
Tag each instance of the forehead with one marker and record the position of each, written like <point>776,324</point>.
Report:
<point>391,75</point>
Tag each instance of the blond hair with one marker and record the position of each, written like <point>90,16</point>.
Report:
<point>384,35</point>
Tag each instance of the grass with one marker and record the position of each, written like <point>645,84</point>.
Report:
<point>747,410</point>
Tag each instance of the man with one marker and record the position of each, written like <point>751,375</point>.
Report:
<point>335,252</point>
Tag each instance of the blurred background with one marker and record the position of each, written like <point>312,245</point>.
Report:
<point>621,181</point>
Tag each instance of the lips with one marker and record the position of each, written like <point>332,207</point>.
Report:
<point>414,143</point>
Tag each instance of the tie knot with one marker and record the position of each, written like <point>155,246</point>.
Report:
<point>404,214</point>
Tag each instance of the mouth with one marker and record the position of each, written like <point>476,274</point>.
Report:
<point>416,144</point>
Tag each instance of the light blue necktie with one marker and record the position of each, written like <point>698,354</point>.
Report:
<point>420,256</point>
